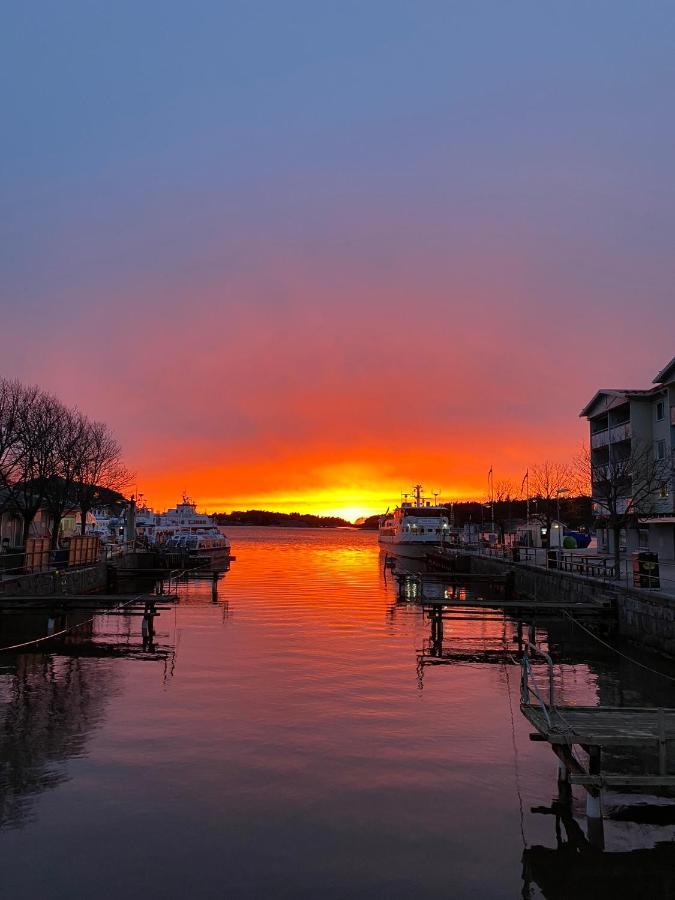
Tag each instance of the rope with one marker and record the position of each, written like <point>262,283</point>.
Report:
<point>49,637</point>
<point>618,652</point>
<point>515,758</point>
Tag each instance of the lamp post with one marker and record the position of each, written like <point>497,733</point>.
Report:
<point>560,491</point>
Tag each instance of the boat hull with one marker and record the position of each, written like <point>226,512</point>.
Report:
<point>411,549</point>
<point>212,554</point>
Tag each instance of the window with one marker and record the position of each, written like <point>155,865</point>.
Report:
<point>660,449</point>
<point>663,490</point>
<point>659,411</point>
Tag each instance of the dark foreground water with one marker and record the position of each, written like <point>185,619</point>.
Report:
<point>302,736</point>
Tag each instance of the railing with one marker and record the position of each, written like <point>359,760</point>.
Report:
<point>553,558</point>
<point>599,439</point>
<point>20,563</point>
<point>528,683</point>
<point>602,568</point>
<point>622,431</point>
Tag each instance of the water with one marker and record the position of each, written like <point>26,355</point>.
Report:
<point>285,741</point>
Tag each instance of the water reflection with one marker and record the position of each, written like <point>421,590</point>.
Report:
<point>291,752</point>
<point>51,703</point>
<point>588,672</point>
<point>574,869</point>
<point>48,709</point>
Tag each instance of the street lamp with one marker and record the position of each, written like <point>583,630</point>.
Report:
<point>560,491</point>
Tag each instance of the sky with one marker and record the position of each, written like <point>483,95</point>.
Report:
<point>302,255</point>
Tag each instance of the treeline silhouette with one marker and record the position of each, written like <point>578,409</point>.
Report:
<point>279,519</point>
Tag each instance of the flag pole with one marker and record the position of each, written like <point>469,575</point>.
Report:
<point>527,476</point>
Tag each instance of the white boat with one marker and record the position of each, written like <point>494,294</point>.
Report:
<point>182,529</point>
<point>416,527</point>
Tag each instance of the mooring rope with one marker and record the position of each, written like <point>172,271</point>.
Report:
<point>48,637</point>
<point>515,758</point>
<point>625,656</point>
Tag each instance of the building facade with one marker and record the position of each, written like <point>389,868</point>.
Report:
<point>625,426</point>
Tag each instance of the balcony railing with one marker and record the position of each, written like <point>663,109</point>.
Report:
<point>622,432</point>
<point>599,439</point>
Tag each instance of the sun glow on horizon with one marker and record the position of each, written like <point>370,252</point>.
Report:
<point>340,502</point>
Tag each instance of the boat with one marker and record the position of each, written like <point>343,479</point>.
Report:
<point>201,548</point>
<point>416,527</point>
<point>185,531</point>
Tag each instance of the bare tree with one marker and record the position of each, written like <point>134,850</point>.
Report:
<point>548,481</point>
<point>503,494</point>
<point>52,457</point>
<point>102,467</point>
<point>38,423</point>
<point>504,491</point>
<point>12,395</point>
<point>625,487</point>
<point>60,491</point>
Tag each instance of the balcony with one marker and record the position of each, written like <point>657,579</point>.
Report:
<point>599,439</point>
<point>622,432</point>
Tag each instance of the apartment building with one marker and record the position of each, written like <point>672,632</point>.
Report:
<point>624,424</point>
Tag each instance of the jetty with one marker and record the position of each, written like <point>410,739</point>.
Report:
<point>446,591</point>
<point>593,730</point>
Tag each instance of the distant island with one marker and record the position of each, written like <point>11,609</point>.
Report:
<point>575,511</point>
<point>262,517</point>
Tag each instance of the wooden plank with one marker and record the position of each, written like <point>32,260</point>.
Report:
<point>623,780</point>
<point>497,603</point>
<point>604,726</point>
<point>48,599</point>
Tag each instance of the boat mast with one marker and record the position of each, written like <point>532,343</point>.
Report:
<point>418,495</point>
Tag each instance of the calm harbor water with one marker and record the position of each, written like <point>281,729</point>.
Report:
<point>300,735</point>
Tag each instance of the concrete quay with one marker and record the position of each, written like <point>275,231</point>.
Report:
<point>644,616</point>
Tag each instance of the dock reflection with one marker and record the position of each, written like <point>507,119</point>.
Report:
<point>576,869</point>
<point>52,702</point>
<point>493,633</point>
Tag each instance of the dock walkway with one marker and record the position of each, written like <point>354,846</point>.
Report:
<point>594,729</point>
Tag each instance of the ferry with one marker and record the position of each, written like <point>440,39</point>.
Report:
<point>182,529</point>
<point>416,527</point>
<point>202,548</point>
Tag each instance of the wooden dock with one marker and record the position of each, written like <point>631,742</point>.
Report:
<point>442,591</point>
<point>514,605</point>
<point>594,729</point>
<point>606,726</point>
<point>90,601</point>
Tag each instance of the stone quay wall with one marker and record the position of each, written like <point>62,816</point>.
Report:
<point>84,580</point>
<point>646,617</point>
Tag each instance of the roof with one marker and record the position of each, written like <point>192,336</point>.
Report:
<point>666,374</point>
<point>603,392</point>
<point>626,394</point>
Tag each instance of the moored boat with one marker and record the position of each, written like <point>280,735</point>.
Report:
<point>182,530</point>
<point>416,527</point>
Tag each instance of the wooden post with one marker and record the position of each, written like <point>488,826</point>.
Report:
<point>596,834</point>
<point>563,773</point>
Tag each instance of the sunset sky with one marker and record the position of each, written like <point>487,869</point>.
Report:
<point>301,255</point>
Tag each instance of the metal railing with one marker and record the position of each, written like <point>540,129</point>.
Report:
<point>528,683</point>
<point>601,568</point>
